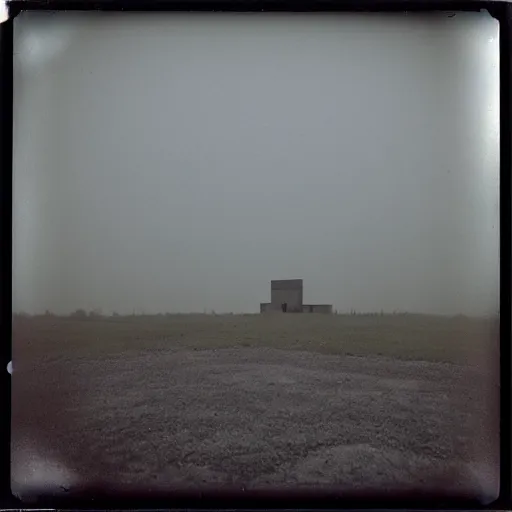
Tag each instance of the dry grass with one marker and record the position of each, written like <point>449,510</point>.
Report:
<point>409,337</point>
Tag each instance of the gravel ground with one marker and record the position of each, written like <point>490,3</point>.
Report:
<point>252,418</point>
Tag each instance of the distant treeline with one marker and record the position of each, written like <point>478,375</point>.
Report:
<point>82,314</point>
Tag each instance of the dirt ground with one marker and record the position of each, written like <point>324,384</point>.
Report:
<point>164,414</point>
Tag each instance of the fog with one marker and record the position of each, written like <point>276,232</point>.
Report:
<point>179,162</point>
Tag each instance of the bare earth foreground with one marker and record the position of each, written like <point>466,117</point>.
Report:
<point>249,401</point>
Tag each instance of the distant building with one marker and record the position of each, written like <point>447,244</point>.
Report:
<point>286,297</point>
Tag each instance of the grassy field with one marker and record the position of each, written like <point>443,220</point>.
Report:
<point>410,337</point>
<point>358,403</point>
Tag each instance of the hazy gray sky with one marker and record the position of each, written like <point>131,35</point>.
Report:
<point>179,162</point>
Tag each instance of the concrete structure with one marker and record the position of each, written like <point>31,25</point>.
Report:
<point>326,309</point>
<point>286,297</point>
